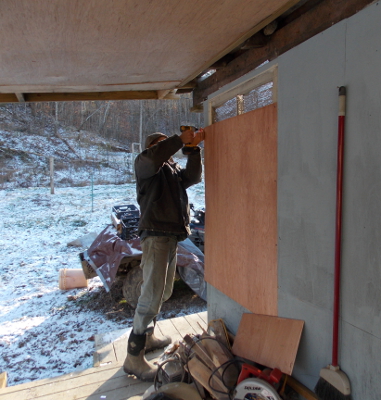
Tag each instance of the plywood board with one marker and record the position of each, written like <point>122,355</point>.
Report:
<point>267,340</point>
<point>241,204</point>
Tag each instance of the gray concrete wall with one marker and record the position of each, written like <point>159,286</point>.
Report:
<point>348,54</point>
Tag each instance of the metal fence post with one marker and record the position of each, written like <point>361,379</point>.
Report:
<point>51,164</point>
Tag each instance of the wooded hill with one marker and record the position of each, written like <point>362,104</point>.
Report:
<point>90,141</point>
<point>124,121</point>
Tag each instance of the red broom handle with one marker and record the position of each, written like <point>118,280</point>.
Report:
<point>339,202</point>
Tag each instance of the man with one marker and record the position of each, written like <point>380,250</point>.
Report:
<point>164,221</point>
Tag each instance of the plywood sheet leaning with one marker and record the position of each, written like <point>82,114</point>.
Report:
<point>241,204</point>
<point>267,340</point>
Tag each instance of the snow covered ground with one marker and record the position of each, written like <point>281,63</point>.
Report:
<point>42,332</point>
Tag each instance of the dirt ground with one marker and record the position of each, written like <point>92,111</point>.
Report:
<point>115,307</point>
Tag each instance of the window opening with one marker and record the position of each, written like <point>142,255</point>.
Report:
<point>251,95</point>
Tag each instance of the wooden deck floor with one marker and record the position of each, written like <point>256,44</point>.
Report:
<point>106,380</point>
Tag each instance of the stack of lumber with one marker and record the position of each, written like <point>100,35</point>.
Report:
<point>210,363</point>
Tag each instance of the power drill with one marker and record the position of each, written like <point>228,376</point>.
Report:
<point>188,148</point>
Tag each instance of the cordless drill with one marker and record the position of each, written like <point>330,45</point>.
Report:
<point>188,148</point>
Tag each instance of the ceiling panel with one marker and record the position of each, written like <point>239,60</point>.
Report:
<point>105,45</point>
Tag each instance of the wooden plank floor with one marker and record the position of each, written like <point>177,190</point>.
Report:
<point>106,380</point>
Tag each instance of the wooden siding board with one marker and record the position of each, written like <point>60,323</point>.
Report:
<point>241,199</point>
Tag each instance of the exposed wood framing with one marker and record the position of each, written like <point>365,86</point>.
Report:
<point>300,28</point>
<point>20,97</point>
<point>88,96</point>
<point>239,41</point>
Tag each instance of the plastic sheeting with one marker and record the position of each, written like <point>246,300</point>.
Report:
<point>108,250</point>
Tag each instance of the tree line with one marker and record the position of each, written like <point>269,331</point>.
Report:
<point>126,121</point>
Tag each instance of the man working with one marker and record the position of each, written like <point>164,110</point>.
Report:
<point>161,192</point>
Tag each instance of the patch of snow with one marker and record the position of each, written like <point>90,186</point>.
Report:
<point>42,333</point>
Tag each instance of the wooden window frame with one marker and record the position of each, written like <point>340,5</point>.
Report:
<point>270,75</point>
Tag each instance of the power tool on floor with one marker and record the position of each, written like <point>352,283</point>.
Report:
<point>259,387</point>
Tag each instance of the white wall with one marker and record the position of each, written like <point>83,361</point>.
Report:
<point>348,54</point>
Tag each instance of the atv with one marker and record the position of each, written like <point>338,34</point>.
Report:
<point>197,226</point>
<point>115,255</point>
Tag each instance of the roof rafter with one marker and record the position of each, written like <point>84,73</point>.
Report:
<point>300,27</point>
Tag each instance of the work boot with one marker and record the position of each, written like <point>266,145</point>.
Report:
<point>135,362</point>
<point>153,343</point>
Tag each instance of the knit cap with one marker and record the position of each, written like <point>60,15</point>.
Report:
<point>152,137</point>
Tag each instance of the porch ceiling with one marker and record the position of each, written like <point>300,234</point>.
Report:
<point>98,49</point>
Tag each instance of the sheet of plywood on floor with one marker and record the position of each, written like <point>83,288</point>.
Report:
<point>241,199</point>
<point>268,340</point>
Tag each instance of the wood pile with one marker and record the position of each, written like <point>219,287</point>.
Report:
<point>209,361</point>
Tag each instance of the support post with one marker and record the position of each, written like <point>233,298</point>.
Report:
<point>51,165</point>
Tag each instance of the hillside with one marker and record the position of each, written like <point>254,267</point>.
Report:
<point>91,142</point>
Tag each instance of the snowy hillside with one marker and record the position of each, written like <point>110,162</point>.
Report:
<point>44,331</point>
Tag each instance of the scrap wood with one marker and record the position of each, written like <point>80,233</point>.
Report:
<point>201,373</point>
<point>201,352</point>
<point>221,357</point>
<point>268,340</point>
<point>218,352</point>
<point>217,326</point>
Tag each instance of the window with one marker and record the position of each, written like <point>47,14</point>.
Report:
<point>258,92</point>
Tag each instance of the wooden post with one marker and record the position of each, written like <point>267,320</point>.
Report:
<point>51,164</point>
<point>3,380</point>
<point>141,123</point>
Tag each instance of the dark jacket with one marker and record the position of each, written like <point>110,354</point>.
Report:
<point>161,184</point>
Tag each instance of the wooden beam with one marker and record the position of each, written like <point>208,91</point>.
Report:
<point>315,20</point>
<point>78,96</point>
<point>8,98</point>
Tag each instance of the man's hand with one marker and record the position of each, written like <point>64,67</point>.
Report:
<point>187,137</point>
<point>199,136</point>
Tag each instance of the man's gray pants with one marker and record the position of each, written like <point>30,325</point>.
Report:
<point>159,268</point>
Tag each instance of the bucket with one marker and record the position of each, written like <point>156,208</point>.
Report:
<point>71,278</point>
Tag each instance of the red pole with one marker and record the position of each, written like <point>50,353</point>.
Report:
<point>339,202</point>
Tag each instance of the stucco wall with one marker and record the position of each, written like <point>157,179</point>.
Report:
<point>348,54</point>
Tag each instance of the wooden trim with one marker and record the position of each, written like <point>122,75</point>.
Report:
<point>309,24</point>
<point>241,40</point>
<point>87,96</point>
